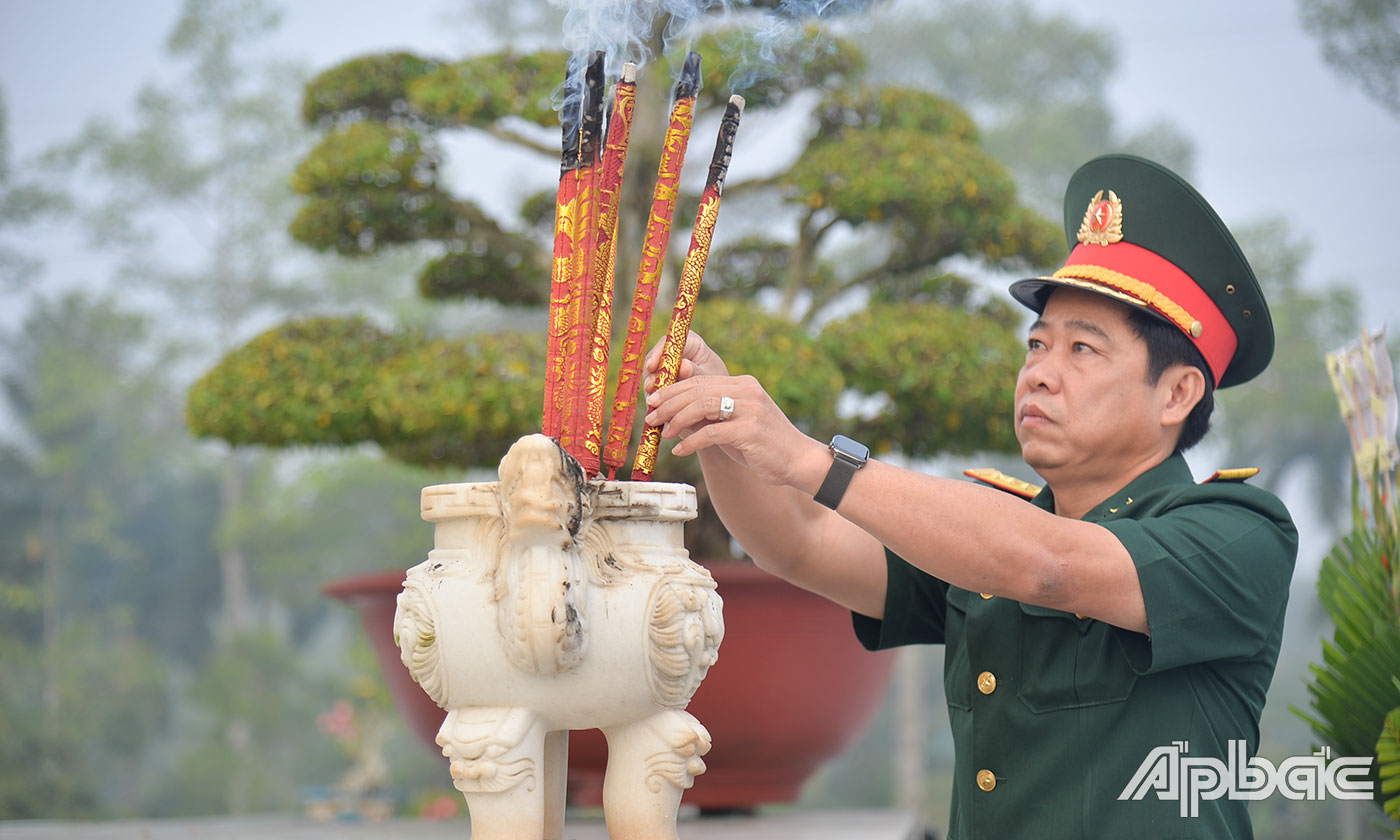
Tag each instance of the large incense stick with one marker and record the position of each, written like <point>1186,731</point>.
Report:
<point>561,292</point>
<point>607,198</point>
<point>578,345</point>
<point>658,236</point>
<point>692,273</point>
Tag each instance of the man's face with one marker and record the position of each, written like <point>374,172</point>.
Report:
<point>1083,402</point>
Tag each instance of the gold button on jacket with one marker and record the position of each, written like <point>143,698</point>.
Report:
<point>985,780</point>
<point>986,682</point>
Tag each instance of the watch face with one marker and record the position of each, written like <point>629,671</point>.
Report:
<point>853,451</point>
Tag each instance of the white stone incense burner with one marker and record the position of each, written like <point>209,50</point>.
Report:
<point>551,603</point>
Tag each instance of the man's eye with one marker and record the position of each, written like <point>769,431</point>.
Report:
<point>1034,344</point>
<point>1081,347</point>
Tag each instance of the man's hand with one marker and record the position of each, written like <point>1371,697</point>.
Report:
<point>696,359</point>
<point>757,436</point>
<point>781,528</point>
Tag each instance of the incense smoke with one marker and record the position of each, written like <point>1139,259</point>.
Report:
<point>623,29</point>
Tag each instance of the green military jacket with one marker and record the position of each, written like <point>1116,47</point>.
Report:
<point>1053,714</point>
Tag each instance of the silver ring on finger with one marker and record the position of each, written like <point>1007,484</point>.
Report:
<point>726,408</point>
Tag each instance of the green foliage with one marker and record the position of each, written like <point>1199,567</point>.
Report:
<point>802,379</point>
<point>22,203</point>
<point>942,377</point>
<point>345,515</point>
<point>79,718</point>
<point>338,381</point>
<point>253,752</point>
<point>373,184</point>
<point>1360,39</point>
<point>797,370</point>
<point>308,381</point>
<point>483,89</point>
<point>913,159</point>
<point>509,276</point>
<point>1035,80</point>
<point>371,87</point>
<point>21,584</point>
<point>91,535</point>
<point>1388,761</point>
<point>460,402</point>
<point>743,268</point>
<point>1353,691</point>
<point>40,761</point>
<point>451,402</point>
<point>889,107</point>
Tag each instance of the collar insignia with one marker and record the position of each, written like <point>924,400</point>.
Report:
<point>1103,221</point>
<point>1002,481</point>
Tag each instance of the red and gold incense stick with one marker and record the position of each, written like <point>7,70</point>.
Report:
<point>561,293</point>
<point>607,198</point>
<point>692,273</point>
<point>578,345</point>
<point>658,236</point>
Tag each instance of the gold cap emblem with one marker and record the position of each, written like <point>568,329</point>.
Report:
<point>1103,221</point>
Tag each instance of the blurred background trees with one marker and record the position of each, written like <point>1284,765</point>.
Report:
<point>1361,39</point>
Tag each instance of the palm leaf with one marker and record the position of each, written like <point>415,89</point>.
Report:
<point>1388,759</point>
<point>1353,689</point>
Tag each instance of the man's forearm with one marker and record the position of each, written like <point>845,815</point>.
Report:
<point>771,523</point>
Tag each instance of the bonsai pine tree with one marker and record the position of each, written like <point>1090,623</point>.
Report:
<point>840,289</point>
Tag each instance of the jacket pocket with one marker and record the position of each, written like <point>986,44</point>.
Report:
<point>1066,662</point>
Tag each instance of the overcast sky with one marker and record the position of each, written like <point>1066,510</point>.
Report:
<point>1276,130</point>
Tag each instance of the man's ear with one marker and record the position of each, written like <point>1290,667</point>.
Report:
<point>1182,387</point>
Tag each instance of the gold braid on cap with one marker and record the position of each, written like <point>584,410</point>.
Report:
<point>1131,290</point>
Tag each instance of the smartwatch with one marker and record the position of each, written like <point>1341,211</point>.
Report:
<point>847,456</point>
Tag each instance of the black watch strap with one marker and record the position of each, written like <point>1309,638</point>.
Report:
<point>847,456</point>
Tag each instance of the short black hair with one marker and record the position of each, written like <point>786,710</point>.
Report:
<point>1168,346</point>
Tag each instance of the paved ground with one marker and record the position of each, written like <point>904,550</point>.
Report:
<point>807,825</point>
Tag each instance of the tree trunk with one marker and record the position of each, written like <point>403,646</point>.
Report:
<point>49,560</point>
<point>909,730</point>
<point>233,565</point>
<point>799,264</point>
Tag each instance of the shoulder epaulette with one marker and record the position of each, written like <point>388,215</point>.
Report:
<point>1236,474</point>
<point>1002,481</point>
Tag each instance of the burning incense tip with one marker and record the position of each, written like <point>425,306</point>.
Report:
<point>592,108</point>
<point>689,83</point>
<point>724,144</point>
<point>629,73</point>
<point>569,117</point>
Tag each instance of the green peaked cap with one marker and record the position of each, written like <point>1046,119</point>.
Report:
<point>1157,210</point>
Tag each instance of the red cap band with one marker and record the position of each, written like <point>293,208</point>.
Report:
<point>1141,276</point>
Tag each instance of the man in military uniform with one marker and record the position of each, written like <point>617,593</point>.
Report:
<point>1124,607</point>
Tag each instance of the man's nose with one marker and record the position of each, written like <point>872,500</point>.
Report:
<point>1042,371</point>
